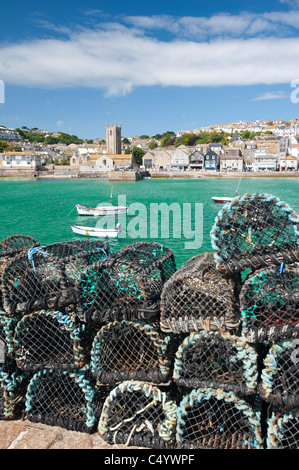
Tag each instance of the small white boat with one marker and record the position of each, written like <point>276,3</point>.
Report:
<point>97,231</point>
<point>222,199</point>
<point>101,210</point>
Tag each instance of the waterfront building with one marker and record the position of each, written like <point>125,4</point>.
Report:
<point>212,161</point>
<point>179,160</point>
<point>232,163</point>
<point>288,163</point>
<point>21,160</point>
<point>157,159</point>
<point>197,161</point>
<point>265,162</point>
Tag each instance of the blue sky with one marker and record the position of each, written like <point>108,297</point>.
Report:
<point>73,66</point>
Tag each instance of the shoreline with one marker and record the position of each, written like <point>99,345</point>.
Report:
<point>135,176</point>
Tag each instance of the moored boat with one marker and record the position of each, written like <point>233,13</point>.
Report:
<point>222,199</point>
<point>101,210</point>
<point>97,231</point>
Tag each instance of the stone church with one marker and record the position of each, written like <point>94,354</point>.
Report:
<point>109,159</point>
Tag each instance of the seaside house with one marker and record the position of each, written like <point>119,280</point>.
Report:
<point>216,147</point>
<point>212,161</point>
<point>21,160</point>
<point>288,163</point>
<point>157,160</point>
<point>180,160</point>
<point>197,161</point>
<point>265,161</point>
<point>232,160</point>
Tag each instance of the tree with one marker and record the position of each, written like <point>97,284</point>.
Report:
<point>137,154</point>
<point>3,145</point>
<point>152,145</point>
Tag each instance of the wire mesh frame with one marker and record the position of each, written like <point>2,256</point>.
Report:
<point>45,277</point>
<point>199,297</point>
<point>138,414</point>
<point>212,359</point>
<point>280,375</point>
<point>253,228</point>
<point>126,285</point>
<point>269,301</point>
<point>16,243</point>
<point>7,328</point>
<point>283,430</point>
<point>13,388</point>
<point>30,286</point>
<point>214,419</point>
<point>48,340</point>
<point>131,351</point>
<point>11,246</point>
<point>62,398</point>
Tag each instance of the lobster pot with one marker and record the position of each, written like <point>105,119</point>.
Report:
<point>7,326</point>
<point>48,340</point>
<point>13,388</point>
<point>280,375</point>
<point>254,230</point>
<point>74,257</point>
<point>126,285</point>
<point>269,302</point>
<point>30,285</point>
<point>214,419</point>
<point>14,244</point>
<point>131,351</point>
<point>212,359</point>
<point>283,430</point>
<point>62,398</point>
<point>199,297</point>
<point>138,414</point>
<point>11,246</point>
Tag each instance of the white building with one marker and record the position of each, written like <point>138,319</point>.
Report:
<point>288,163</point>
<point>179,160</point>
<point>265,162</point>
<point>21,160</point>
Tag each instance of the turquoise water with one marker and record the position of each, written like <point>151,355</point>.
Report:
<point>45,209</point>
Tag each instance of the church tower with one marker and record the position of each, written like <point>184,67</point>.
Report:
<point>113,139</point>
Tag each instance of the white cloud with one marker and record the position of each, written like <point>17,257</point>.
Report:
<point>117,59</point>
<point>220,25</point>
<point>59,123</point>
<point>271,95</point>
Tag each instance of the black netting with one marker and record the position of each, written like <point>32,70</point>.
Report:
<point>138,414</point>
<point>213,419</point>
<point>269,302</point>
<point>199,297</point>
<point>280,375</point>
<point>7,351</point>
<point>44,277</point>
<point>13,386</point>
<point>64,399</point>
<point>126,285</point>
<point>252,230</point>
<point>132,351</point>
<point>48,340</point>
<point>216,360</point>
<point>283,430</point>
<point>11,246</point>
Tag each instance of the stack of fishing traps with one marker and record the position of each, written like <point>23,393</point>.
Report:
<point>44,369</point>
<point>130,355</point>
<point>257,235</point>
<point>125,344</point>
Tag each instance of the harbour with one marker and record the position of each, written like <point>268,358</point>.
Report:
<point>45,208</point>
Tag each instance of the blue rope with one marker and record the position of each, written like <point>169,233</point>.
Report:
<point>32,251</point>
